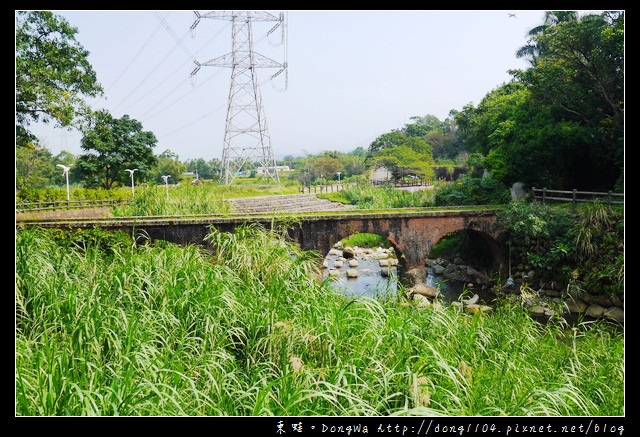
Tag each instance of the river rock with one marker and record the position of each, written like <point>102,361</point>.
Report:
<point>424,290</point>
<point>416,276</point>
<point>540,310</point>
<point>438,269</point>
<point>614,313</point>
<point>348,253</point>
<point>353,263</point>
<point>338,264</point>
<point>453,271</point>
<point>552,293</point>
<point>477,274</point>
<point>475,308</point>
<point>352,273</point>
<point>595,310</point>
<point>421,301</point>
<point>575,306</point>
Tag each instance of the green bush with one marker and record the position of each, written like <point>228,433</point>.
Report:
<point>364,239</point>
<point>585,248</point>
<point>367,196</point>
<point>473,191</point>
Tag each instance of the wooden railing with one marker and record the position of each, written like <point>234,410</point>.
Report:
<point>323,188</point>
<point>404,183</point>
<point>575,196</point>
<point>57,205</point>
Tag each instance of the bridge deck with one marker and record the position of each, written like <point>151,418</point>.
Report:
<point>347,214</point>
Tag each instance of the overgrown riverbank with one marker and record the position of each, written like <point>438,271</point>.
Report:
<point>105,327</point>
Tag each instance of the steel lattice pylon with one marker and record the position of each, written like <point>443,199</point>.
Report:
<point>246,135</point>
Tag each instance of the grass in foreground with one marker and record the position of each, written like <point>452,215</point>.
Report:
<point>108,328</point>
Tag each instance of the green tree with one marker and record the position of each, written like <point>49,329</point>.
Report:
<point>204,169</point>
<point>578,69</point>
<point>53,74</point>
<point>533,47</point>
<point>354,164</point>
<point>325,167</point>
<point>115,145</point>
<point>559,123</point>
<point>68,159</point>
<point>386,141</point>
<point>167,163</point>
<point>34,167</point>
<point>404,161</point>
<point>395,139</point>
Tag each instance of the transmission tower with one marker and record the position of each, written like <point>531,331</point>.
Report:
<point>246,136</point>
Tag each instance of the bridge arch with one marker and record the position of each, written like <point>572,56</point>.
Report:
<point>488,252</point>
<point>398,252</point>
<point>412,236</point>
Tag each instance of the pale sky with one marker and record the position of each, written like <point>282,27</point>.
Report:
<point>353,74</point>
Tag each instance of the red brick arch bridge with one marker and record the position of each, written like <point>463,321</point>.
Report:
<point>412,233</point>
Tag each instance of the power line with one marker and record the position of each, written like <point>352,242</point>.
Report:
<point>202,117</point>
<point>135,57</point>
<point>199,118</point>
<point>179,44</point>
<point>154,106</point>
<point>174,36</point>
<point>179,98</point>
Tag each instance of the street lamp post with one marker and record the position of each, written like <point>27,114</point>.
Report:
<point>166,183</point>
<point>65,172</point>
<point>339,177</point>
<point>133,193</point>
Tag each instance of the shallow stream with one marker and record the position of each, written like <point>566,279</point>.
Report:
<point>370,281</point>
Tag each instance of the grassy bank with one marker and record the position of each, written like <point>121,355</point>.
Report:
<point>104,327</point>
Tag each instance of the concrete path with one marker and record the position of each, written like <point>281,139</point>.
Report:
<point>286,203</point>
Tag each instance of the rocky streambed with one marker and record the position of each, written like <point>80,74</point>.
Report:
<point>373,271</point>
<point>542,299</point>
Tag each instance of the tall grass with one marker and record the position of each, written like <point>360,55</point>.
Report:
<point>189,199</point>
<point>249,329</point>
<point>367,196</point>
